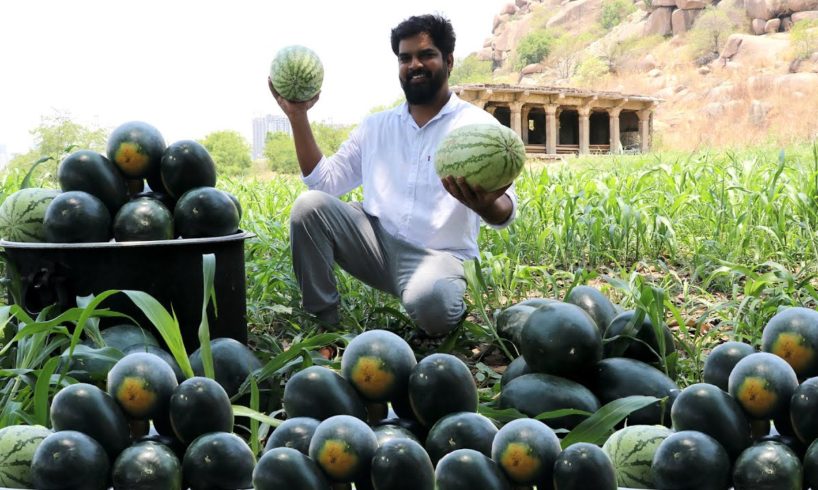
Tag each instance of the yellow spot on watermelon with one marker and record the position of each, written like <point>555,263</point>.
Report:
<point>756,397</point>
<point>135,396</point>
<point>131,159</point>
<point>793,348</point>
<point>519,462</point>
<point>370,377</point>
<point>336,459</point>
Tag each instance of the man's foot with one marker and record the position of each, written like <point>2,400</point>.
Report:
<point>422,342</point>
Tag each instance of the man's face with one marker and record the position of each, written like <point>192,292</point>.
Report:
<point>421,68</point>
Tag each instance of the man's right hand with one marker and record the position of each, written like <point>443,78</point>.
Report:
<point>291,107</point>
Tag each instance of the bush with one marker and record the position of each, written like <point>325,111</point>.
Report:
<point>614,12</point>
<point>591,69</point>
<point>471,70</point>
<point>804,38</point>
<point>535,46</point>
<point>710,32</point>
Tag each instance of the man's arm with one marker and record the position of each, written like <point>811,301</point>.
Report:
<point>494,207</point>
<point>306,149</point>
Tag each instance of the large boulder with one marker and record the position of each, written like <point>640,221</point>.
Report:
<point>682,20</point>
<point>659,22</point>
<point>575,13</point>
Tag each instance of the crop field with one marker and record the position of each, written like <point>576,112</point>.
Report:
<point>706,248</point>
<point>715,243</point>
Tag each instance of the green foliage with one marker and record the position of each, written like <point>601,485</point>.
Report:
<point>54,138</point>
<point>710,32</point>
<point>591,68</point>
<point>230,152</point>
<point>533,48</point>
<point>471,70</point>
<point>279,150</point>
<point>804,38</point>
<point>614,12</point>
<point>330,136</point>
<point>386,107</point>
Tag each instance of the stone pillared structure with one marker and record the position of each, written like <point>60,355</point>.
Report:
<point>561,120</point>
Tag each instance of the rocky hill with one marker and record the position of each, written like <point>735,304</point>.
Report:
<point>731,73</point>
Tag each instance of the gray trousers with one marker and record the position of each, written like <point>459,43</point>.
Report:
<point>325,230</point>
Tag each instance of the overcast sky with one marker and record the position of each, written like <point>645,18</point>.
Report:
<point>192,67</point>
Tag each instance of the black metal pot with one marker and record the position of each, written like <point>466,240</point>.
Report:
<point>169,270</point>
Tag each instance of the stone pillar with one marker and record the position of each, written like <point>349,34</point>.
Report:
<point>644,129</point>
<point>584,129</point>
<point>524,125</point>
<point>480,103</point>
<point>616,141</point>
<point>516,117</point>
<point>490,109</point>
<point>551,132</point>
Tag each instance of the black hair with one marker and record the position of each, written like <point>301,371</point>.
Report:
<point>436,26</point>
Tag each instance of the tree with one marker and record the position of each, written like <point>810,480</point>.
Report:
<point>614,12</point>
<point>330,136</point>
<point>471,70</point>
<point>279,151</point>
<point>533,48</point>
<point>55,137</point>
<point>804,38</point>
<point>230,152</point>
<point>710,31</point>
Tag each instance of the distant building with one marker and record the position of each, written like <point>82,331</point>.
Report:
<point>4,156</point>
<point>267,124</point>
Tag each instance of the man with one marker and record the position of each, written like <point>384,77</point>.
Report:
<point>413,230</point>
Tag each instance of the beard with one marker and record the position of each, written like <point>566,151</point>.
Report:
<point>425,91</point>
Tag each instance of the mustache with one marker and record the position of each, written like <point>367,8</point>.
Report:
<point>426,73</point>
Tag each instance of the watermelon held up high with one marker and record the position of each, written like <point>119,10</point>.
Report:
<point>296,73</point>
<point>488,155</point>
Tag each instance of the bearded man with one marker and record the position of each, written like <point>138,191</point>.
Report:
<point>413,230</point>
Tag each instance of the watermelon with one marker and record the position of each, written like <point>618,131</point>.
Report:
<point>631,451</point>
<point>17,446</point>
<point>296,73</point>
<point>22,213</point>
<point>488,155</point>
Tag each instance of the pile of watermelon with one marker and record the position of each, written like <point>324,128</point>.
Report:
<point>383,419</point>
<point>750,424</point>
<point>140,190</point>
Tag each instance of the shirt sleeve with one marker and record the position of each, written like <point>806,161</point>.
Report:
<point>341,172</point>
<point>512,194</point>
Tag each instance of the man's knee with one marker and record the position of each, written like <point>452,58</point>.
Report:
<point>307,204</point>
<point>437,310</point>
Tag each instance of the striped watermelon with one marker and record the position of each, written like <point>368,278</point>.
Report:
<point>631,451</point>
<point>296,73</point>
<point>21,214</point>
<point>488,155</point>
<point>17,446</point>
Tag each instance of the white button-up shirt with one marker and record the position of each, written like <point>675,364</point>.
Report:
<point>394,161</point>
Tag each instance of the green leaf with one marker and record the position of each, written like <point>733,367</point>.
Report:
<point>242,411</point>
<point>209,292</point>
<point>596,428</point>
<point>41,391</point>
<point>166,325</point>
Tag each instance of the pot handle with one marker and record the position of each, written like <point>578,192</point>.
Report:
<point>44,287</point>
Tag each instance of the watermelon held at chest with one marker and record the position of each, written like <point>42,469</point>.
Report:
<point>488,155</point>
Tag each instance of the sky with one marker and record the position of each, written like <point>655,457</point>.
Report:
<point>193,67</point>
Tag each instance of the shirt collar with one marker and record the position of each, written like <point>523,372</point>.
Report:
<point>452,104</point>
